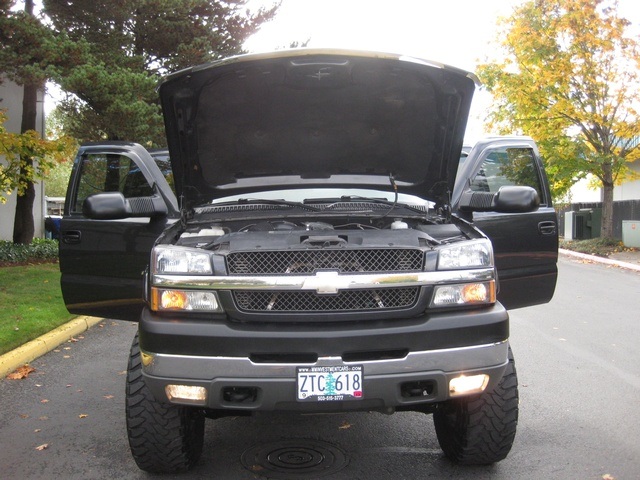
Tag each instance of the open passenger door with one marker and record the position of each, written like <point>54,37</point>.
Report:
<point>525,243</point>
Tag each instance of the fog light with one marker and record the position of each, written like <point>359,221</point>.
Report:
<point>187,393</point>
<point>466,385</point>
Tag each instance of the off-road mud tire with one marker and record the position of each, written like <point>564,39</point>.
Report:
<point>164,438</point>
<point>480,429</point>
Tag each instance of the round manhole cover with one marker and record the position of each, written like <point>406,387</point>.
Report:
<point>290,459</point>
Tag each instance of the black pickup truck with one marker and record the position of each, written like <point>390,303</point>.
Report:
<point>315,239</point>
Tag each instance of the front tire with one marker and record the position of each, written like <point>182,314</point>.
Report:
<point>480,429</point>
<point>164,438</point>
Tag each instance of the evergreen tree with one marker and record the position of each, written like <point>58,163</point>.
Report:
<point>132,44</point>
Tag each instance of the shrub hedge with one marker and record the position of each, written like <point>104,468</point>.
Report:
<point>41,249</point>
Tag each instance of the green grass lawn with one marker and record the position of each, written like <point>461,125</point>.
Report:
<point>30,303</point>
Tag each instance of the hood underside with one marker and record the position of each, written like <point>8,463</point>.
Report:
<point>315,119</point>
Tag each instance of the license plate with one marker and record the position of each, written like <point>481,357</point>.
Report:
<point>330,384</point>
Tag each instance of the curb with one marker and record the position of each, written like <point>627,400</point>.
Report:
<point>44,344</point>
<point>606,261</point>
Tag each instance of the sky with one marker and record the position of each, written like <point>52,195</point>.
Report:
<point>444,30</point>
<point>461,33</point>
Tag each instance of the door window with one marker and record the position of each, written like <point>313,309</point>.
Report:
<point>163,161</point>
<point>109,173</point>
<point>507,167</point>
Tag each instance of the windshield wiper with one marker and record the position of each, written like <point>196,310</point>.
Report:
<point>393,205</point>
<point>262,201</point>
<point>382,201</point>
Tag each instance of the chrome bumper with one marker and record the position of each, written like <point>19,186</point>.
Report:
<point>276,382</point>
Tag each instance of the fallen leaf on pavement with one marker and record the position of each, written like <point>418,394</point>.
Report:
<point>345,425</point>
<point>108,397</point>
<point>44,446</point>
<point>83,415</point>
<point>21,372</point>
<point>44,400</point>
<point>606,476</point>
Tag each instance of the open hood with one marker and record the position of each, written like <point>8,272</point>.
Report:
<point>315,118</point>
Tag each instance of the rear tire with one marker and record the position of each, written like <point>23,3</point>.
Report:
<point>164,438</point>
<point>480,429</point>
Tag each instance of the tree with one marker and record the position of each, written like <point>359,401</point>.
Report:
<point>110,58</point>
<point>570,80</point>
<point>113,94</point>
<point>28,53</point>
<point>57,178</point>
<point>19,150</point>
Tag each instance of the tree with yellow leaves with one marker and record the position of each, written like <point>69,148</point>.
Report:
<point>570,79</point>
<point>27,158</point>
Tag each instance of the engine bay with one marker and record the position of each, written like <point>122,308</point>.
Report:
<point>336,233</point>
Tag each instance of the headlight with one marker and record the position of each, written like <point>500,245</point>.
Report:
<point>476,293</point>
<point>473,254</point>
<point>184,300</point>
<point>181,261</point>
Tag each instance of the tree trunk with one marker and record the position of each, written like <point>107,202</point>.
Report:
<point>23,225</point>
<point>607,202</point>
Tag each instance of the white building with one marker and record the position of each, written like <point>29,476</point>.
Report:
<point>11,101</point>
<point>628,190</point>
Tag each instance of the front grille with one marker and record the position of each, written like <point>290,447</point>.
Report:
<point>344,301</point>
<point>310,261</point>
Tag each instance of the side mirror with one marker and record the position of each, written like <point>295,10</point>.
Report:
<point>114,206</point>
<point>505,200</point>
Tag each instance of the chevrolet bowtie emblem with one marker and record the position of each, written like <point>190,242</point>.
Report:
<point>326,283</point>
<point>323,72</point>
